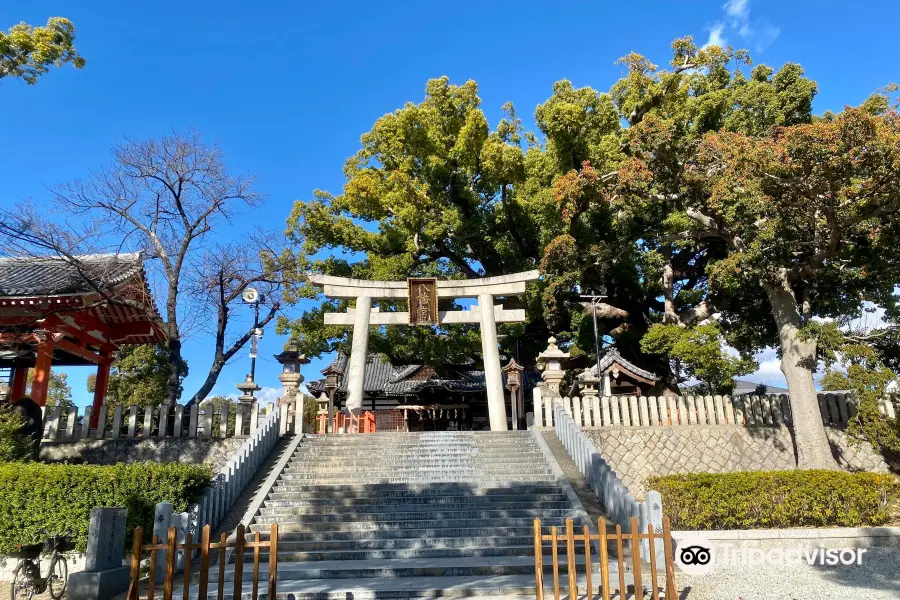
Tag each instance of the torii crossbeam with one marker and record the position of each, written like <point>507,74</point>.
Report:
<point>422,295</point>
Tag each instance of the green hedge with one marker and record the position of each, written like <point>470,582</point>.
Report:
<point>38,499</point>
<point>775,499</point>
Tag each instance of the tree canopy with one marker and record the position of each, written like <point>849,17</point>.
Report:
<point>708,204</point>
<point>27,52</point>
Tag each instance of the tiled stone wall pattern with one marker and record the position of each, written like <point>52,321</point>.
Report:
<point>213,451</point>
<point>636,453</point>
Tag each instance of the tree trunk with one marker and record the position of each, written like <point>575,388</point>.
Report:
<point>798,362</point>
<point>173,383</point>
<point>214,371</point>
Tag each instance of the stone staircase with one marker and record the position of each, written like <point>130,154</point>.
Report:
<point>409,515</point>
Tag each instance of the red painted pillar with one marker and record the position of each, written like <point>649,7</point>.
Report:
<point>41,382</point>
<point>100,390</point>
<point>19,383</point>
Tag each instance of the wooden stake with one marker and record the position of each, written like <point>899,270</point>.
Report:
<point>223,548</point>
<point>188,553</point>
<point>589,592</point>
<point>671,589</point>
<point>134,590</point>
<point>151,584</point>
<point>653,573</point>
<point>239,561</point>
<point>554,540</point>
<point>255,593</point>
<point>623,591</point>
<point>570,559</point>
<point>273,561</point>
<point>170,565</point>
<point>604,558</point>
<point>204,563</point>
<point>636,557</point>
<point>538,562</point>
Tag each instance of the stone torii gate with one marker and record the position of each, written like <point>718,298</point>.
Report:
<point>422,295</point>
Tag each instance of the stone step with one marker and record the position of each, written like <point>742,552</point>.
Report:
<point>288,482</point>
<point>380,507</point>
<point>342,554</point>
<point>383,442</point>
<point>291,532</point>
<point>398,524</point>
<point>413,490</point>
<point>290,543</point>
<point>378,471</point>
<point>350,460</point>
<point>415,447</point>
<point>424,435</point>
<point>292,515</point>
<point>496,587</point>
<point>402,568</point>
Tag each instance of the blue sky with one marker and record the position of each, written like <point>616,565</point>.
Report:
<point>287,88</point>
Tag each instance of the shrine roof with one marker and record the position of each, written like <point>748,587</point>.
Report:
<point>381,376</point>
<point>54,276</point>
<point>613,357</point>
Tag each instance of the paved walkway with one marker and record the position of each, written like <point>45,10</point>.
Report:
<point>877,578</point>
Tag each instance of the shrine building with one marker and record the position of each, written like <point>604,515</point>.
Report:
<point>78,310</point>
<point>418,397</point>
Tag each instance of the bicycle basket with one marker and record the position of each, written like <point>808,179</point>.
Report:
<point>28,551</point>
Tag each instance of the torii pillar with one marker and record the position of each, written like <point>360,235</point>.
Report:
<point>422,296</point>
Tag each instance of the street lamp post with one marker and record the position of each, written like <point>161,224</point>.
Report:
<point>253,297</point>
<point>595,299</point>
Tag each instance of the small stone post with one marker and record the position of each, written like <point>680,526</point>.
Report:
<point>162,520</point>
<point>104,576</point>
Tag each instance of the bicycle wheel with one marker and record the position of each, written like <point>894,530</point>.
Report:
<point>22,587</point>
<point>58,577</point>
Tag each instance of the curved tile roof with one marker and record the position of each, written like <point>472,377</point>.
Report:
<point>55,276</point>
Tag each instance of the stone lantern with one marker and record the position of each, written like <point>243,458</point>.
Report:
<point>290,360</point>
<point>550,364</point>
<point>248,387</point>
<point>514,384</point>
<point>332,383</point>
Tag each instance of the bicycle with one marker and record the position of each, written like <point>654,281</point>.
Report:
<point>27,580</point>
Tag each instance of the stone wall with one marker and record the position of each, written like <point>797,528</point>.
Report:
<point>213,451</point>
<point>636,453</point>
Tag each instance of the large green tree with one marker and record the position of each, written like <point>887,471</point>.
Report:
<point>793,212</point>
<point>27,52</point>
<point>433,191</point>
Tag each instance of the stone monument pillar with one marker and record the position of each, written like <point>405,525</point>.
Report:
<point>104,576</point>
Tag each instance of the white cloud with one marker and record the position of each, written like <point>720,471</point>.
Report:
<point>715,36</point>
<point>759,33</point>
<point>737,9</point>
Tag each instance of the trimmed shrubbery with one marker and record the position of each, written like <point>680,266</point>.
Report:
<point>14,445</point>
<point>776,499</point>
<point>37,500</point>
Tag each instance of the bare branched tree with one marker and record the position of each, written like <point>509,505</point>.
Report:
<point>222,275</point>
<point>163,197</point>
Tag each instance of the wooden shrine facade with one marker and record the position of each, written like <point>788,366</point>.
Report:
<point>71,311</point>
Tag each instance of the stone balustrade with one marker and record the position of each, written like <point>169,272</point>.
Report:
<point>142,422</point>
<point>664,411</point>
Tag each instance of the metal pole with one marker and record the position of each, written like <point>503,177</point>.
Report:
<point>255,326</point>
<point>596,335</point>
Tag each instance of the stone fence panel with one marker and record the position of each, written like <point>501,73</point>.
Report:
<point>665,411</point>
